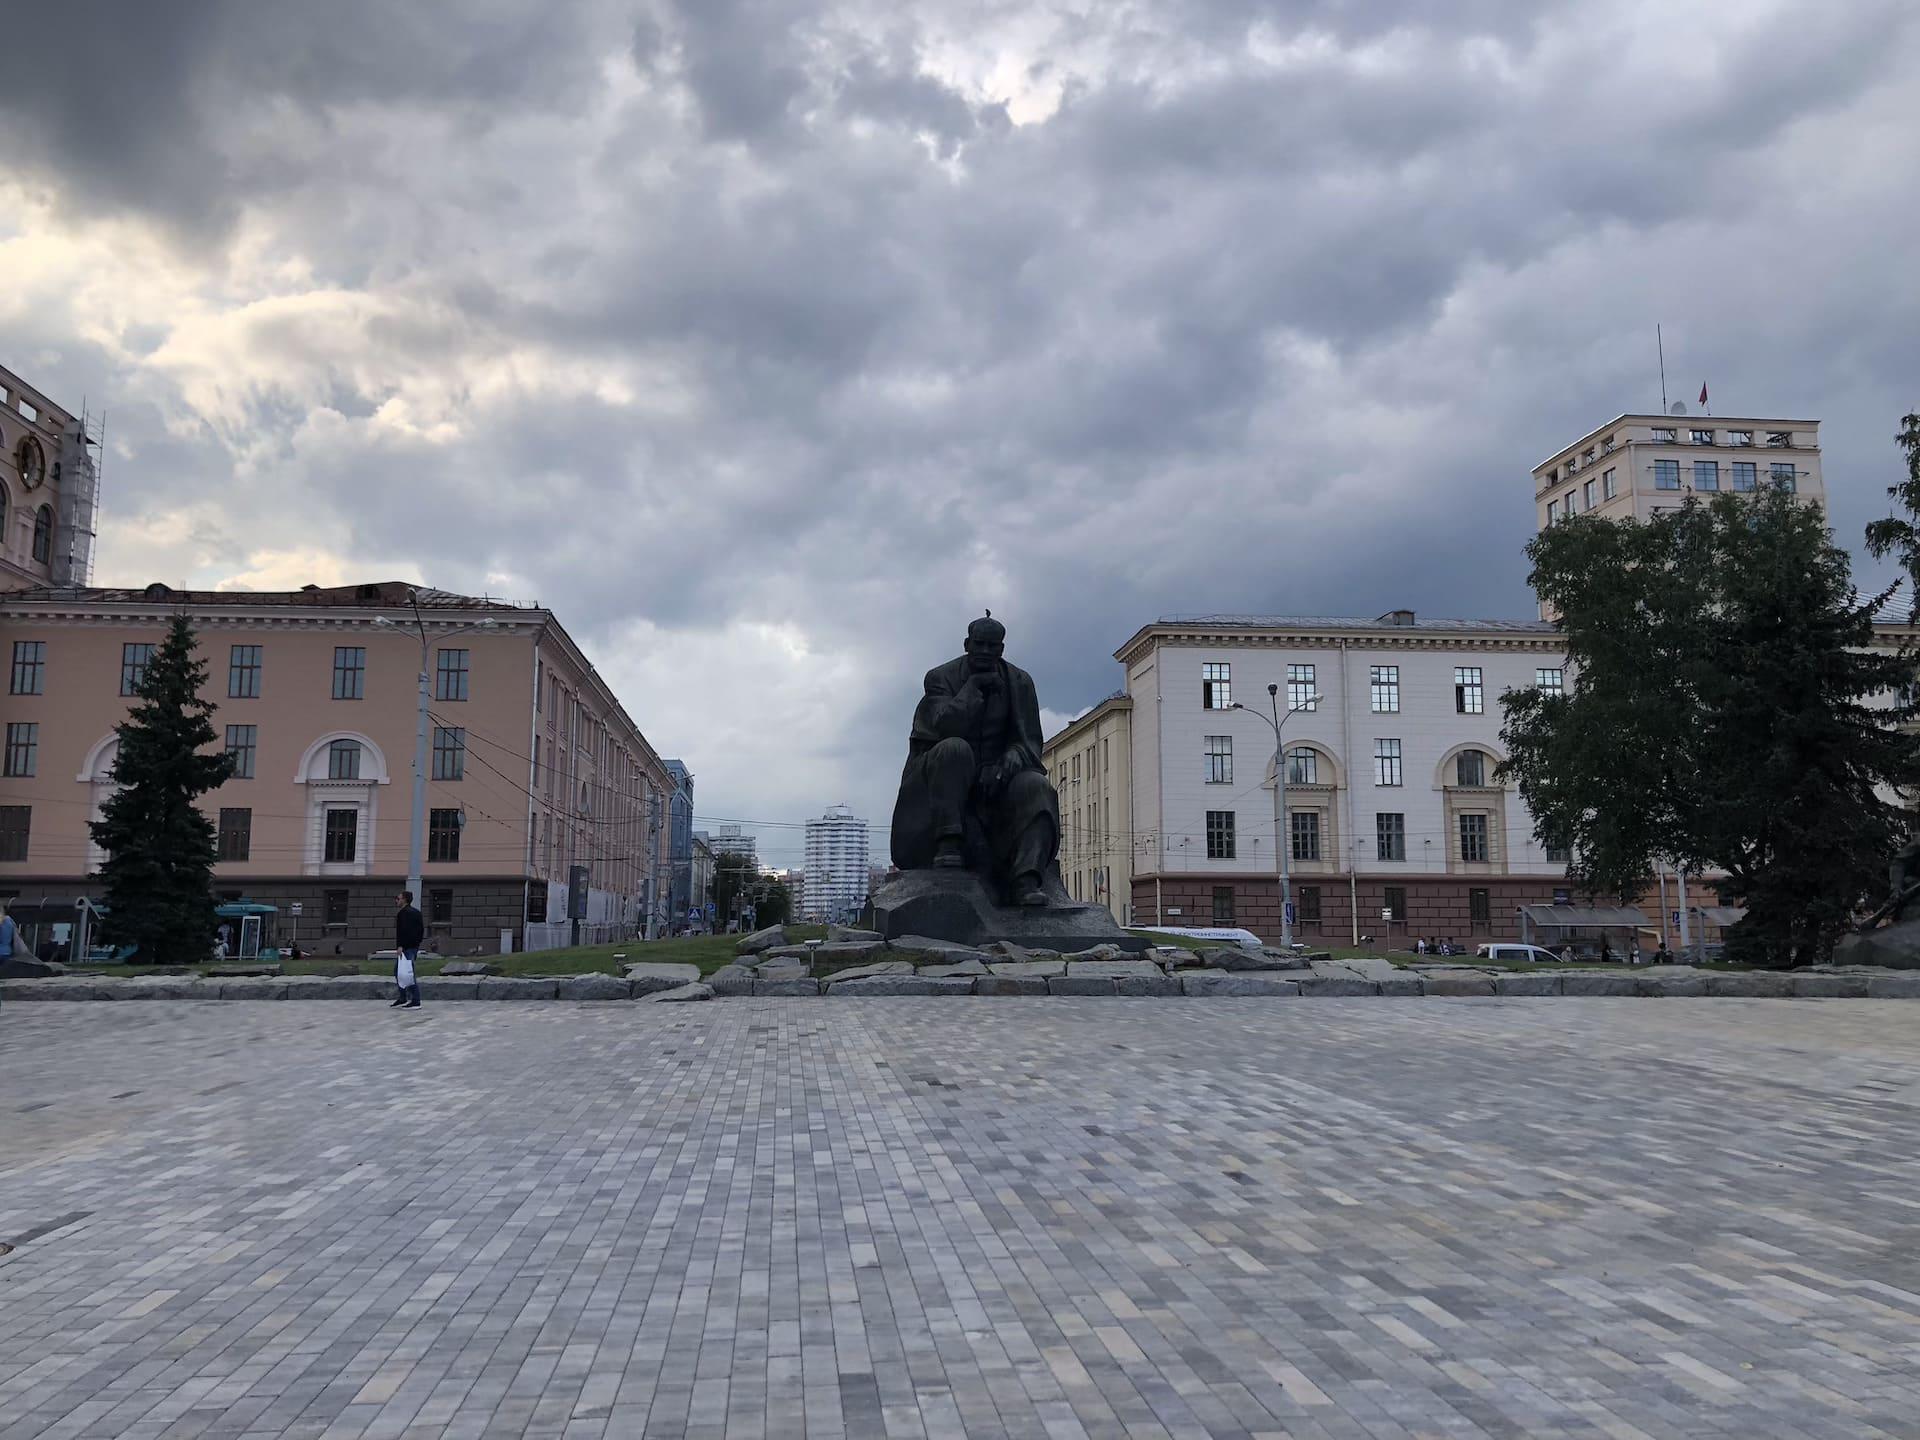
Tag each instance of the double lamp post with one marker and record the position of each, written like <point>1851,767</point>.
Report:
<point>1282,842</point>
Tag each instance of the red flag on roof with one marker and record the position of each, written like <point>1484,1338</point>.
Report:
<point>1703,392</point>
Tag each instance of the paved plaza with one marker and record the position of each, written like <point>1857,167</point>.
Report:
<point>1362,1218</point>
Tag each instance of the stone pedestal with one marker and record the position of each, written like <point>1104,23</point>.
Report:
<point>954,905</point>
<point>1896,947</point>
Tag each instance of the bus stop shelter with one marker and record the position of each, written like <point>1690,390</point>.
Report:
<point>1584,927</point>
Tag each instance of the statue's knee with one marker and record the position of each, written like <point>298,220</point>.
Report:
<point>951,754</point>
<point>1028,784</point>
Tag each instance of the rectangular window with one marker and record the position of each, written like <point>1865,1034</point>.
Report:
<point>1785,476</point>
<point>134,660</point>
<point>1479,909</point>
<point>236,834</point>
<point>1302,694</point>
<point>450,752</point>
<point>333,905</point>
<point>1220,835</point>
<point>1586,456</point>
<point>1570,506</point>
<point>1706,474</point>
<point>1390,836</point>
<point>1558,854</point>
<point>1666,474</point>
<point>536,904</point>
<point>1469,696</point>
<point>1471,767</point>
<point>443,835</point>
<point>1216,687</point>
<point>1384,682</point>
<point>343,828</point>
<point>1219,759</point>
<point>1223,904</point>
<point>23,749</point>
<point>350,672</point>
<point>1740,437</point>
<point>343,760</point>
<point>1386,762</point>
<point>1473,838</point>
<point>1780,439</point>
<point>1553,512</point>
<point>1609,487</point>
<point>1394,902</point>
<point>1304,828</point>
<point>1553,682</point>
<point>29,667</point>
<point>1700,437</point>
<point>450,676</point>
<point>243,672</point>
<point>15,823</point>
<point>241,740</point>
<point>440,907</point>
<point>1307,898</point>
<point>1743,475</point>
<point>1303,766</point>
<point>1665,435</point>
<point>1587,494</point>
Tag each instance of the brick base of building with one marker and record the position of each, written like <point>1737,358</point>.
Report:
<point>1439,907</point>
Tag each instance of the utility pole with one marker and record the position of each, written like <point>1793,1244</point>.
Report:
<point>1280,838</point>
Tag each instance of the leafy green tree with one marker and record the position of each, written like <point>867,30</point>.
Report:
<point>1728,712</point>
<point>159,844</point>
<point>1899,534</point>
<point>737,881</point>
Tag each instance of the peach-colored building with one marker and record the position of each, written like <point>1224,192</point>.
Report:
<point>48,489</point>
<point>534,766</point>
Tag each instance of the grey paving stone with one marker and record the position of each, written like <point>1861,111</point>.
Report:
<point>1332,1221</point>
<point>1204,983</point>
<point>592,987</point>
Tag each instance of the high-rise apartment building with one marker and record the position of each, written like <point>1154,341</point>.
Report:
<point>836,866</point>
<point>679,843</point>
<point>728,840</point>
<point>1636,466</point>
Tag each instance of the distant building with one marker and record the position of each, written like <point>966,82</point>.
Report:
<point>1091,769</point>
<point>679,842</point>
<point>836,866</point>
<point>727,840</point>
<point>797,888</point>
<point>536,767</point>
<point>702,869</point>
<point>49,489</point>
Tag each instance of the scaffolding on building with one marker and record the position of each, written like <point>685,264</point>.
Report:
<point>81,458</point>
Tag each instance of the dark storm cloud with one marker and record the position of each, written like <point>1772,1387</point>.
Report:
<point>817,327</point>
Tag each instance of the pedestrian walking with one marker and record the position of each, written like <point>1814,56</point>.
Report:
<point>409,929</point>
<point>9,932</point>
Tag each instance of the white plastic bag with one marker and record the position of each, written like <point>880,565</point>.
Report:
<point>403,971</point>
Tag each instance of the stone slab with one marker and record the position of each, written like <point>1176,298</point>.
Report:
<point>1891,947</point>
<point>1030,969</point>
<point>1444,985</point>
<point>165,987</point>
<point>732,980</point>
<point>1234,957</point>
<point>954,905</point>
<point>1527,983</point>
<point>1207,983</point>
<point>646,977</point>
<point>1016,984</point>
<point>1812,985</point>
<point>761,940</point>
<point>848,932</point>
<point>1898,985</point>
<point>23,967</point>
<point>265,987</point>
<point>863,972</point>
<point>787,985</point>
<point>449,987</point>
<point>1670,982</point>
<point>1335,985</point>
<point>1145,986</point>
<point>59,987</point>
<point>469,967</point>
<point>1750,984</point>
<point>679,994</point>
<point>1080,985</point>
<point>1114,969</point>
<point>512,987</point>
<point>1598,982</point>
<point>893,984</point>
<point>340,987</point>
<point>592,987</point>
<point>944,951</point>
<point>969,968</point>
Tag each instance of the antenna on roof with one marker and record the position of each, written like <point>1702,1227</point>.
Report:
<point>1662,346</point>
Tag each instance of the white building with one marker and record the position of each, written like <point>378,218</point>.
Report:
<point>836,865</point>
<point>727,840</point>
<point>1393,805</point>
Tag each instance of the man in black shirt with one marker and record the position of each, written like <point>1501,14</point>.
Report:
<point>409,929</point>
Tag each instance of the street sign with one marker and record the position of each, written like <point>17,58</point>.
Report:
<point>1292,917</point>
<point>293,908</point>
<point>1387,913</point>
<point>576,892</point>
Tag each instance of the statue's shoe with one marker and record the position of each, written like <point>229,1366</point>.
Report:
<point>1035,896</point>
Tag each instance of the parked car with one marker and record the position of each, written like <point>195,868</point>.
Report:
<point>1535,954</point>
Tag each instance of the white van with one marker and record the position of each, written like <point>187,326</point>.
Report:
<point>1535,954</point>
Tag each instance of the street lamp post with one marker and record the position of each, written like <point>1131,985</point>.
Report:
<point>1281,845</point>
<point>416,829</point>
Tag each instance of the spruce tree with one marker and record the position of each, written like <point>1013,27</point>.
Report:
<point>159,843</point>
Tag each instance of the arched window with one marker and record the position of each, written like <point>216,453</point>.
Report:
<point>1473,768</point>
<point>43,534</point>
<point>31,460</point>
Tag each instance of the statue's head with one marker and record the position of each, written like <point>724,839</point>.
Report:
<point>986,642</point>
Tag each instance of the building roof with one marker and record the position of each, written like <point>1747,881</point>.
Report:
<point>394,594</point>
<point>1395,623</point>
<point>1119,700</point>
<point>1681,422</point>
<point>1897,608</point>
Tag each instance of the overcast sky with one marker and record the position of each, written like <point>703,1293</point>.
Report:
<point>768,342</point>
